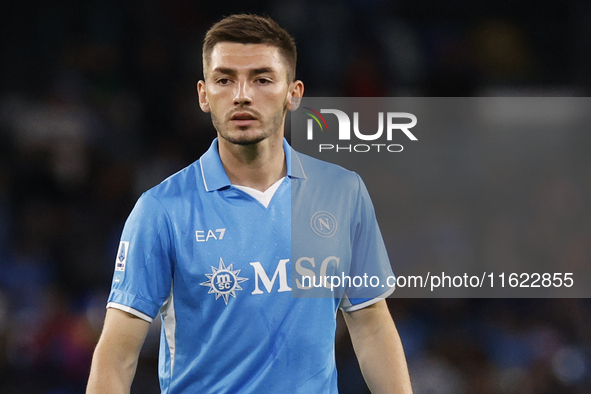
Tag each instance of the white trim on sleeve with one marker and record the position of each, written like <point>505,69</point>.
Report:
<point>130,310</point>
<point>348,307</point>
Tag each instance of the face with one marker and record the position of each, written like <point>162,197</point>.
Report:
<point>247,92</point>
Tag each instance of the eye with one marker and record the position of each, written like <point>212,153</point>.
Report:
<point>263,81</point>
<point>223,81</point>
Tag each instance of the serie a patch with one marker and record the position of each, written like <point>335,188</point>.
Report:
<point>121,259</point>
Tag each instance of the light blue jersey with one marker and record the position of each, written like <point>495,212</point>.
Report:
<point>227,275</point>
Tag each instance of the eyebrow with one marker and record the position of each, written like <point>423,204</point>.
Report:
<point>256,71</point>
<point>262,70</point>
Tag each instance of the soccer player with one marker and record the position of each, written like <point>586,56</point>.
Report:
<point>211,248</point>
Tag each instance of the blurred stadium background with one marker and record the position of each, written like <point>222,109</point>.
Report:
<point>98,103</point>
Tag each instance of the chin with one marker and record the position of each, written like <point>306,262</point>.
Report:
<point>245,142</point>
<point>244,139</point>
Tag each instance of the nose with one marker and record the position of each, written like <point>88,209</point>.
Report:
<point>243,94</point>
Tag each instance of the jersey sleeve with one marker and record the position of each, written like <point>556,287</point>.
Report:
<point>370,265</point>
<point>142,279</point>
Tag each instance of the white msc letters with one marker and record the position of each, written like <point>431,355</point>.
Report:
<point>281,272</point>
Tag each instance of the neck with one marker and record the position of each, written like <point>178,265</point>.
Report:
<point>257,166</point>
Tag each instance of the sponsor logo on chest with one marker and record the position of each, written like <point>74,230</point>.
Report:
<point>224,281</point>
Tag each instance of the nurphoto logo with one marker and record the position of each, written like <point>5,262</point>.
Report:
<point>394,123</point>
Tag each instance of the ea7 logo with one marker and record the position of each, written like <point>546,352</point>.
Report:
<point>392,124</point>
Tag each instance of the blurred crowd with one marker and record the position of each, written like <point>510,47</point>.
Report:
<point>98,104</point>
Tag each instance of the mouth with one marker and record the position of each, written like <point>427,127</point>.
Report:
<point>243,118</point>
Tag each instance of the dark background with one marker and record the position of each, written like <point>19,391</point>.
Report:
<point>98,103</point>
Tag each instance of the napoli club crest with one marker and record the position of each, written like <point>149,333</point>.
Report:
<point>324,224</point>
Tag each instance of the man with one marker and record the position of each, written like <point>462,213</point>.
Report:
<point>210,248</point>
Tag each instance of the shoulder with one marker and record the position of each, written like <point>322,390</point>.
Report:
<point>171,200</point>
<point>185,182</point>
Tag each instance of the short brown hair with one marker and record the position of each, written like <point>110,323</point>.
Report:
<point>252,29</point>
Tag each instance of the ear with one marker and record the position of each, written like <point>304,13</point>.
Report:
<point>294,95</point>
<point>203,103</point>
